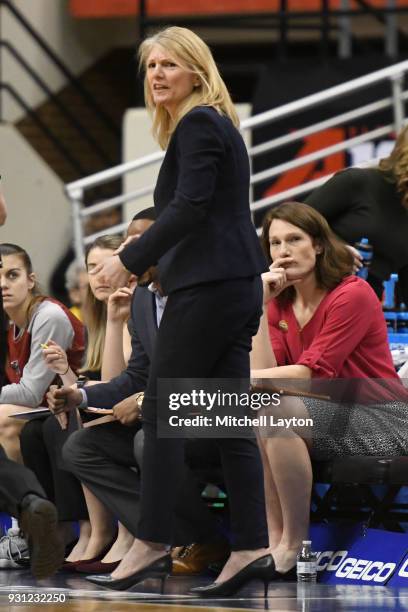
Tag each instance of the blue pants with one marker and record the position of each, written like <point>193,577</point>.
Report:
<point>206,332</point>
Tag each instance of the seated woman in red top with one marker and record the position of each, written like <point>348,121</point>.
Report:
<point>319,321</point>
<point>33,320</point>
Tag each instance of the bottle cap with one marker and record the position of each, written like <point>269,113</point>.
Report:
<point>306,541</point>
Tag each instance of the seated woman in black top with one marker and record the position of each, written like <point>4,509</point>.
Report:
<point>373,203</point>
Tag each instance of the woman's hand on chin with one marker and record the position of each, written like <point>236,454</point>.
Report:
<point>273,283</point>
<point>276,280</point>
<point>119,305</point>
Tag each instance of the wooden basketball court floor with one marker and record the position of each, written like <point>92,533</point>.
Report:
<point>72,593</point>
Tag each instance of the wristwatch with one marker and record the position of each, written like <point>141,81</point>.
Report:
<point>139,397</point>
<point>81,381</point>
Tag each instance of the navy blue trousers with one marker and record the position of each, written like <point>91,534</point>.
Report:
<point>206,332</point>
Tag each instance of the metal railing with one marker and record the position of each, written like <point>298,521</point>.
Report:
<point>323,20</point>
<point>85,136</point>
<point>395,102</point>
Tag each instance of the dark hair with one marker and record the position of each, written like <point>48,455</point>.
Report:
<point>334,262</point>
<point>146,213</point>
<point>7,248</point>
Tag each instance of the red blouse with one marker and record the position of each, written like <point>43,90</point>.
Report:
<point>345,338</point>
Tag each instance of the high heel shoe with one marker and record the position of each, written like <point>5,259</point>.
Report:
<point>288,576</point>
<point>96,567</point>
<point>160,568</point>
<point>70,566</point>
<point>260,569</point>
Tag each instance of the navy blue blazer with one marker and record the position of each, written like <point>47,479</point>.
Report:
<point>204,230</point>
<point>134,378</point>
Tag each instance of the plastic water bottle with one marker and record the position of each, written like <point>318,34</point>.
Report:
<point>305,595</point>
<point>306,568</point>
<point>366,251</point>
<point>389,292</point>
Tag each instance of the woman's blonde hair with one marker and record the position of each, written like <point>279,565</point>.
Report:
<point>335,261</point>
<point>95,311</point>
<point>396,165</point>
<point>191,53</point>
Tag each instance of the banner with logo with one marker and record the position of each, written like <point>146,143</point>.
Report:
<point>400,577</point>
<point>352,555</point>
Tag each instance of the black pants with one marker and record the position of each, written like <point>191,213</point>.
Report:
<point>194,521</point>
<point>41,443</point>
<point>103,458</point>
<point>206,332</point>
<point>16,481</point>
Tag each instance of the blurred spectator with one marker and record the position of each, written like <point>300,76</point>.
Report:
<point>76,283</point>
<point>141,222</point>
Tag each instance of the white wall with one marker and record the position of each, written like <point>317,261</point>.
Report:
<point>137,142</point>
<point>79,43</point>
<point>38,212</point>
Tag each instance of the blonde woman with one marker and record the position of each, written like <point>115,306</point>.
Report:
<point>100,321</point>
<point>209,261</point>
<point>106,314</point>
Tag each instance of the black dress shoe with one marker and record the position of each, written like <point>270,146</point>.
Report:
<point>260,569</point>
<point>160,568</point>
<point>288,576</point>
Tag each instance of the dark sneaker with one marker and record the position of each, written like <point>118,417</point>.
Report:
<point>39,521</point>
